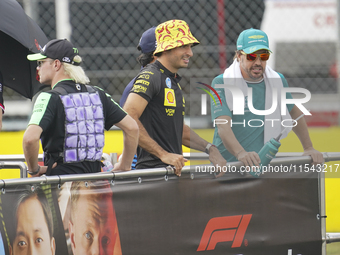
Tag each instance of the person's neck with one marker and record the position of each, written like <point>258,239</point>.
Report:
<point>254,81</point>
<point>167,65</point>
<point>58,77</point>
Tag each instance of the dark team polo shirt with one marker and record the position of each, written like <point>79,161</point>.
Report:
<point>2,107</point>
<point>49,114</point>
<point>163,116</point>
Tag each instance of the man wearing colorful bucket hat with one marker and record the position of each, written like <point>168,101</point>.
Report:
<point>157,104</point>
<point>242,141</point>
<point>70,119</point>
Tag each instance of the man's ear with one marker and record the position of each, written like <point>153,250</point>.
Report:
<point>10,250</point>
<point>71,233</point>
<point>57,64</point>
<point>53,245</point>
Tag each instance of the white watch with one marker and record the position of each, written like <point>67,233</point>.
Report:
<point>207,148</point>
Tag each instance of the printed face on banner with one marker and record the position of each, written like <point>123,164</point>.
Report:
<point>93,227</point>
<point>32,234</point>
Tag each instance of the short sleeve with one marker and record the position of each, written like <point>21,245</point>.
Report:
<point>219,108</point>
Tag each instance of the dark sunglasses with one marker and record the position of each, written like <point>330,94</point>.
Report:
<point>253,56</point>
<point>41,62</point>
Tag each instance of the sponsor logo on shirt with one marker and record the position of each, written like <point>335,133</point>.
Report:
<point>169,97</point>
<point>142,82</point>
<point>139,88</point>
<point>170,112</point>
<point>143,72</point>
<point>246,109</point>
<point>144,76</point>
<point>168,82</point>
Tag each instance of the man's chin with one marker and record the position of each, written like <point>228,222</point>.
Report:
<point>257,76</point>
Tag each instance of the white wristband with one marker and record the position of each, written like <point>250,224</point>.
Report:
<point>207,148</point>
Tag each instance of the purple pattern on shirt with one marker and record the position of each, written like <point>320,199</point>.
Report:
<point>84,122</point>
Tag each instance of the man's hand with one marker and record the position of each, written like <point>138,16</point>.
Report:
<point>119,167</point>
<point>249,158</point>
<point>175,160</point>
<point>43,170</point>
<point>317,156</point>
<point>216,159</point>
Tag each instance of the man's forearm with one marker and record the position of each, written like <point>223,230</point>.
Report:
<point>229,140</point>
<point>30,144</point>
<point>31,152</point>
<point>192,140</point>
<point>301,129</point>
<point>130,146</point>
<point>147,143</point>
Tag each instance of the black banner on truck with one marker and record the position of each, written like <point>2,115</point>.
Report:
<point>186,215</point>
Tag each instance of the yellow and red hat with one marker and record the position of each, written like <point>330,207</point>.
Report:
<point>172,34</point>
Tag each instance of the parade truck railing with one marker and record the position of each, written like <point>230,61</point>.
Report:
<point>152,211</point>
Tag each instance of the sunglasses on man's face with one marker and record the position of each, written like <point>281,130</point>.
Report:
<point>41,62</point>
<point>253,56</point>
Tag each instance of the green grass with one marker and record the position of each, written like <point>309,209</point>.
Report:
<point>333,248</point>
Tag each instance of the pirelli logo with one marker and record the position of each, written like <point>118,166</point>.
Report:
<point>142,82</point>
<point>224,229</point>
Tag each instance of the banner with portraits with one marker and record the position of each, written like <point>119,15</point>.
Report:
<point>192,214</point>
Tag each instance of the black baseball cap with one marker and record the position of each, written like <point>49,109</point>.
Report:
<point>147,42</point>
<point>61,49</point>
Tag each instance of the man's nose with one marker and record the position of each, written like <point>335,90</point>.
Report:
<point>95,247</point>
<point>258,60</point>
<point>189,52</point>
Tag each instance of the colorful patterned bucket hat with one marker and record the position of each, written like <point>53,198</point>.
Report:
<point>172,34</point>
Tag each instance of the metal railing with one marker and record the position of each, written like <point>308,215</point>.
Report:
<point>16,161</point>
<point>166,172</point>
<point>21,157</point>
<point>328,156</point>
<point>15,165</point>
<point>332,237</point>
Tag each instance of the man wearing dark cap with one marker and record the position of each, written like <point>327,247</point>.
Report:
<point>147,45</point>
<point>70,119</point>
<point>157,104</point>
<point>241,136</point>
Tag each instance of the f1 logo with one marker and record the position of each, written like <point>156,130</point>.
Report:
<point>224,229</point>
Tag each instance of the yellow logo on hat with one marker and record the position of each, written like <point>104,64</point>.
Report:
<point>252,49</point>
<point>256,36</point>
<point>169,97</point>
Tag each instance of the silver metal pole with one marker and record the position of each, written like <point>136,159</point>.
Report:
<point>15,165</point>
<point>332,237</point>
<point>63,25</point>
<point>328,156</point>
<point>322,201</point>
<point>154,172</point>
<point>31,8</point>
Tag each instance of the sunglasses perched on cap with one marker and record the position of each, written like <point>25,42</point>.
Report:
<point>253,56</point>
